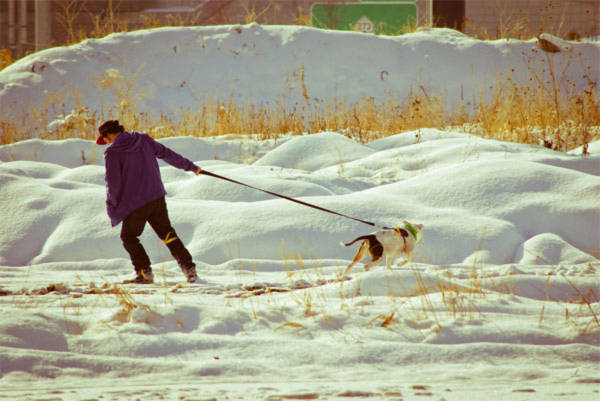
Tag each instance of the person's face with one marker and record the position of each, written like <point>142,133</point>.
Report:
<point>108,138</point>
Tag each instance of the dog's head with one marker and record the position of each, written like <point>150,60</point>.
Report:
<point>415,229</point>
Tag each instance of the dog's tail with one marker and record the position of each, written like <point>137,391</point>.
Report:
<point>364,237</point>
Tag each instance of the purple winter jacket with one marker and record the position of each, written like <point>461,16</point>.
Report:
<point>132,173</point>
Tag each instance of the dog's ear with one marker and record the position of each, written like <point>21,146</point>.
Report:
<point>420,226</point>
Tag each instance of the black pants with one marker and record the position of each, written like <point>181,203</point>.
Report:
<point>155,213</point>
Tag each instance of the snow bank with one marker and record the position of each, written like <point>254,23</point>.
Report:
<point>479,200</point>
<point>168,70</point>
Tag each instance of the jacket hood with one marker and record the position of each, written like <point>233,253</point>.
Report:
<point>126,142</point>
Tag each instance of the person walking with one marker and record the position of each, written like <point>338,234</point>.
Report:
<point>136,195</point>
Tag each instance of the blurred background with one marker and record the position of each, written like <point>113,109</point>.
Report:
<point>31,25</point>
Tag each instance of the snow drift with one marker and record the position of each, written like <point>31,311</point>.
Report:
<point>171,70</point>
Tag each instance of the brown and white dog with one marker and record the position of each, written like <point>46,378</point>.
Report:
<point>391,242</point>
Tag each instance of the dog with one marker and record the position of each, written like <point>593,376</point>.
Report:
<point>389,242</point>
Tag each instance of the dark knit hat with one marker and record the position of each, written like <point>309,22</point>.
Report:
<point>108,127</point>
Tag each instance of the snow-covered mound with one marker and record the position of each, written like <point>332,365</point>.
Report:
<point>167,70</point>
<point>481,200</point>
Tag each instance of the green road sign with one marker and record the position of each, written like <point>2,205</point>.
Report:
<point>379,17</point>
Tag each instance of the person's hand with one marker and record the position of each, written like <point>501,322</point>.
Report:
<point>198,171</point>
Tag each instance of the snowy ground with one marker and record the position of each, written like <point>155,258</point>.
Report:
<point>501,300</point>
<point>494,301</point>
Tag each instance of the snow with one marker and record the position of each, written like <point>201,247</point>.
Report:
<point>168,71</point>
<point>499,301</point>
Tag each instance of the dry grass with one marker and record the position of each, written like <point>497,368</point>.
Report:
<point>6,58</point>
<point>540,115</point>
<point>549,112</point>
<point>517,24</point>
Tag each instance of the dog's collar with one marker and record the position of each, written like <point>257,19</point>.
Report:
<point>412,230</point>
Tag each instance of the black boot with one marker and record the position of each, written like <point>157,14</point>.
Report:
<point>190,273</point>
<point>144,276</point>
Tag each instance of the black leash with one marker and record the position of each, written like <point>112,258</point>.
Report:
<point>290,199</point>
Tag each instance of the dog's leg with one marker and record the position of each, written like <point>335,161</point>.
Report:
<point>405,261</point>
<point>372,263</point>
<point>349,267</point>
<point>360,254</point>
